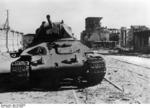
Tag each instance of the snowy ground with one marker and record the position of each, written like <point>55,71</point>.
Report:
<point>133,79</point>
<point>145,62</point>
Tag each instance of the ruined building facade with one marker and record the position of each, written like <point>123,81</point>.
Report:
<point>141,39</point>
<point>96,36</point>
<point>136,38</point>
<point>13,42</point>
<point>91,24</point>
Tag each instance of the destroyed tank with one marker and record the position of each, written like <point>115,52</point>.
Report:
<point>56,55</point>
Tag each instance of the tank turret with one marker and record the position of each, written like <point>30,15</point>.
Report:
<point>52,31</point>
<point>47,32</point>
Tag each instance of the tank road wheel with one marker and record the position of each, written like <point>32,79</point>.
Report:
<point>18,83</point>
<point>46,81</point>
<point>34,80</point>
<point>55,80</point>
<point>95,69</point>
<point>51,80</point>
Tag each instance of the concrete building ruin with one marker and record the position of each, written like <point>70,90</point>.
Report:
<point>14,40</point>
<point>96,36</point>
<point>141,41</point>
<point>135,38</point>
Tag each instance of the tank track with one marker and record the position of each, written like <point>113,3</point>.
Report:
<point>96,70</point>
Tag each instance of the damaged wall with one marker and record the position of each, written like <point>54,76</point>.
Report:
<point>14,40</point>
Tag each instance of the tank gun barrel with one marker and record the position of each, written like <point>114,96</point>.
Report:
<point>49,21</point>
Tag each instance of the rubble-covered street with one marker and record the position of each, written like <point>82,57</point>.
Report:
<point>132,82</point>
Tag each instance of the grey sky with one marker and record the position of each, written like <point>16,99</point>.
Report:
<point>27,15</point>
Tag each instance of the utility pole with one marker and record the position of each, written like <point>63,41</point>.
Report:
<point>7,28</point>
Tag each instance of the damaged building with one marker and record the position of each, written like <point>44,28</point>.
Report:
<point>135,38</point>
<point>91,24</point>
<point>96,36</point>
<point>10,40</point>
<point>126,37</point>
<point>141,41</point>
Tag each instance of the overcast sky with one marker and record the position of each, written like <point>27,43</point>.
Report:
<point>27,15</point>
